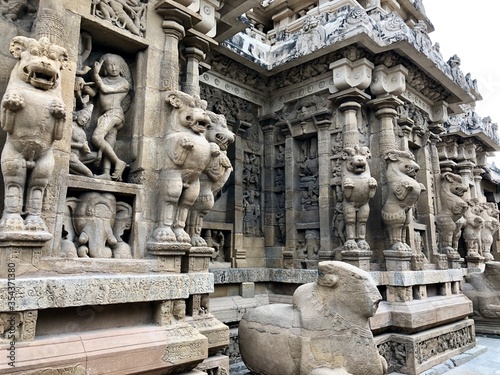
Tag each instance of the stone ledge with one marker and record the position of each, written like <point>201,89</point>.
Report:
<point>455,361</point>
<point>66,291</point>
<point>301,276</point>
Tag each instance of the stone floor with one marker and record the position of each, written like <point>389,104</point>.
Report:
<point>481,360</point>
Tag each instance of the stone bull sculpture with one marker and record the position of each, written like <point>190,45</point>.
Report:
<point>324,332</point>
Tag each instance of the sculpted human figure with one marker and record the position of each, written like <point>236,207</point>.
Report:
<point>80,150</point>
<point>491,225</point>
<point>325,331</point>
<point>403,193</point>
<point>450,220</point>
<point>188,153</point>
<point>358,187</point>
<point>213,177</point>
<point>112,88</point>
<point>473,227</point>
<point>33,115</point>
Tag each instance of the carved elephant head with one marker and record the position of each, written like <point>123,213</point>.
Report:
<point>93,217</point>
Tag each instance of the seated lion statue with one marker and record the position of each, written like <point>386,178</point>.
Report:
<point>315,334</point>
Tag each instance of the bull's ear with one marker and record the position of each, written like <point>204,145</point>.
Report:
<point>18,45</point>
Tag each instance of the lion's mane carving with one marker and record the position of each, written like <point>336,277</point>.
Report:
<point>187,155</point>
<point>358,187</point>
<point>213,177</point>
<point>33,115</point>
<point>403,193</point>
<point>315,335</point>
<point>450,220</point>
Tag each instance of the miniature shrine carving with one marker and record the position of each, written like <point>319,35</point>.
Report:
<point>358,187</point>
<point>33,115</point>
<point>314,335</point>
<point>403,193</point>
<point>213,177</point>
<point>450,220</point>
<point>187,155</point>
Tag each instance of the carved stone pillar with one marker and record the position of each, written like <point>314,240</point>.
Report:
<point>357,185</point>
<point>194,56</point>
<point>292,202</point>
<point>177,18</point>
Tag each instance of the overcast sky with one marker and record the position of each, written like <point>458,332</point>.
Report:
<point>471,29</point>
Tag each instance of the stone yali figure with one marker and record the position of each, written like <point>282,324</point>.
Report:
<point>187,155</point>
<point>33,115</point>
<point>213,177</point>
<point>403,193</point>
<point>325,331</point>
<point>450,220</point>
<point>358,187</point>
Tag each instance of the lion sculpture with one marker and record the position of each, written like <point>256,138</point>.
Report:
<point>473,227</point>
<point>489,214</point>
<point>213,177</point>
<point>450,220</point>
<point>33,115</point>
<point>325,331</point>
<point>188,153</point>
<point>403,193</point>
<point>358,188</point>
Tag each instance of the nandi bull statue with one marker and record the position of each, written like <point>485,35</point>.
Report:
<point>324,332</point>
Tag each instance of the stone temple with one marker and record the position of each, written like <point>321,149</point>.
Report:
<point>171,166</point>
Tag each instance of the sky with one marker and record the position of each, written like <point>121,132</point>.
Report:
<point>471,29</point>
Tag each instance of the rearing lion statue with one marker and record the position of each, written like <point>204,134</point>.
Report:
<point>33,115</point>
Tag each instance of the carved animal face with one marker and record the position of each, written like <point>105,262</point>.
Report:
<point>192,113</point>
<point>40,61</point>
<point>454,183</point>
<point>218,132</point>
<point>409,167</point>
<point>356,159</point>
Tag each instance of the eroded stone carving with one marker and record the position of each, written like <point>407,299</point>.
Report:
<point>33,116</point>
<point>81,154</point>
<point>213,177</point>
<point>483,289</point>
<point>491,225</point>
<point>96,226</point>
<point>403,193</point>
<point>473,227</point>
<point>358,187</point>
<point>450,220</point>
<point>314,336</point>
<point>187,155</point>
<point>112,88</point>
<point>125,14</point>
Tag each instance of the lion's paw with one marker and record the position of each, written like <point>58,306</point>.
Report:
<point>164,234</point>
<point>181,235</point>
<point>58,109</point>
<point>363,245</point>
<point>35,223</point>
<point>11,222</point>
<point>198,241</point>
<point>13,101</point>
<point>350,245</point>
<point>187,143</point>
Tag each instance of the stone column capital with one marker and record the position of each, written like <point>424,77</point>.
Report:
<point>349,74</point>
<point>385,105</point>
<point>439,112</point>
<point>389,81</point>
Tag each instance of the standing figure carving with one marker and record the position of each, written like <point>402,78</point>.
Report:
<point>33,115</point>
<point>490,227</point>
<point>80,150</point>
<point>403,193</point>
<point>113,88</point>
<point>450,220</point>
<point>187,155</point>
<point>473,226</point>
<point>358,188</point>
<point>213,177</point>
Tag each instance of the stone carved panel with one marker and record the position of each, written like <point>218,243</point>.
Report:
<point>33,115</point>
<point>129,15</point>
<point>252,226</point>
<point>219,241</point>
<point>21,12</point>
<point>308,163</point>
<point>95,225</point>
<point>427,349</point>
<point>18,326</point>
<point>396,354</point>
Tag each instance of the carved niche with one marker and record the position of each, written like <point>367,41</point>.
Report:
<point>129,15</point>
